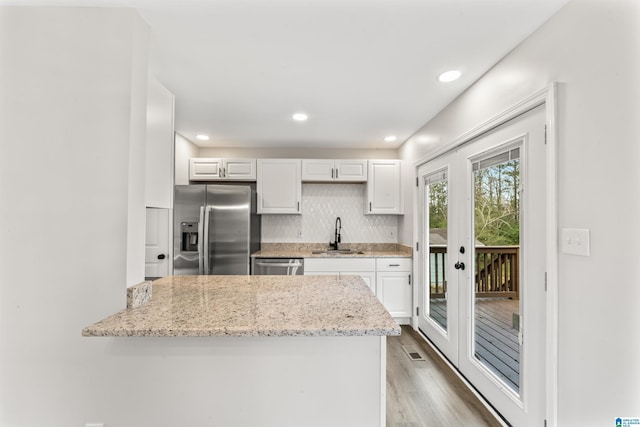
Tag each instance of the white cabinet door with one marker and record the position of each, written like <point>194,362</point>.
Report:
<point>326,170</point>
<point>239,169</point>
<point>211,169</point>
<point>317,170</point>
<point>363,267</point>
<point>393,285</point>
<point>369,277</point>
<point>205,169</point>
<point>351,170</point>
<point>279,186</point>
<point>157,256</point>
<point>159,146</point>
<point>384,189</point>
<point>395,290</point>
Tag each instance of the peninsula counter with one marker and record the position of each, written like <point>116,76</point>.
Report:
<point>272,350</point>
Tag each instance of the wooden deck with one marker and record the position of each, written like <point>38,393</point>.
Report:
<point>496,340</point>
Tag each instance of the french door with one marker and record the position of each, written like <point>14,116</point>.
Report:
<point>482,265</point>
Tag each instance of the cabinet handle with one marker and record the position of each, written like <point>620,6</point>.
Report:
<point>409,280</point>
<point>220,172</point>
<point>336,173</point>
<point>369,206</point>
<point>394,265</point>
<point>298,206</point>
<point>331,173</point>
<point>224,172</point>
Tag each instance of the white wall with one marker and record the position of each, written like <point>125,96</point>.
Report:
<point>136,222</point>
<point>184,150</point>
<point>72,118</point>
<point>592,48</point>
<point>321,204</point>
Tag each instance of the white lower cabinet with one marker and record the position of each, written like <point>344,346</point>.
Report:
<point>388,278</point>
<point>363,267</point>
<point>393,284</point>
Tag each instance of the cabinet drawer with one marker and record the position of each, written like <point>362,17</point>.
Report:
<point>339,264</point>
<point>393,264</point>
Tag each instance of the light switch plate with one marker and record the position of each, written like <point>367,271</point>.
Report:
<point>576,241</point>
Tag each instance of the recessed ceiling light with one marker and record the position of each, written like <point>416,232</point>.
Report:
<point>390,138</point>
<point>449,76</point>
<point>202,137</point>
<point>300,117</point>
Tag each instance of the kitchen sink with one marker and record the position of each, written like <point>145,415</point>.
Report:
<point>337,252</point>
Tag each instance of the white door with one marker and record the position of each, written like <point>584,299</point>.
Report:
<point>438,293</point>
<point>495,262</point>
<point>157,243</point>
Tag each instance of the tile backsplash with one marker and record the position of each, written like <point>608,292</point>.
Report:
<point>321,204</point>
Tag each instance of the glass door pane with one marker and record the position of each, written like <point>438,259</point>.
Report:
<point>496,205</point>
<point>437,198</point>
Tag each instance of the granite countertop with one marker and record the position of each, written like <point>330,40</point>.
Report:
<point>358,250</point>
<point>253,306</point>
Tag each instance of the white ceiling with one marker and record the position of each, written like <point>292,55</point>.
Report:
<point>361,69</point>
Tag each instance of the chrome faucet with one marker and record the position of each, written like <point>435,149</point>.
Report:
<point>334,245</point>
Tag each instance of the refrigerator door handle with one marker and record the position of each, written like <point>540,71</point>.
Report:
<point>200,240</point>
<point>207,233</point>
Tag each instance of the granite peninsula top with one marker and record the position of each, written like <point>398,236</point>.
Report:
<point>356,250</point>
<point>198,306</point>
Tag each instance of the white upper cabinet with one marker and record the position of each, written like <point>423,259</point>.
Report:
<point>384,188</point>
<point>210,169</point>
<point>279,186</point>
<point>327,170</point>
<point>159,146</point>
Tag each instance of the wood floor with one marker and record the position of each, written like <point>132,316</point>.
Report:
<point>426,393</point>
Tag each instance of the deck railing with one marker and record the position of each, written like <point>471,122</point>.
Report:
<point>497,271</point>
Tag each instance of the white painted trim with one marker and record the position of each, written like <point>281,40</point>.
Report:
<point>523,106</point>
<point>548,97</point>
<point>551,99</point>
<point>383,381</point>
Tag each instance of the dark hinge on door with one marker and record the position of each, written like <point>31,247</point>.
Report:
<point>409,280</point>
<point>545,134</point>
<point>417,182</point>
<point>545,423</point>
<point>417,246</point>
<point>417,311</point>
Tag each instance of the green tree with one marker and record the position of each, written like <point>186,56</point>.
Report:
<point>497,204</point>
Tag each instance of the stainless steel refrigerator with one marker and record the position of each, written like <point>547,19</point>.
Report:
<point>216,229</point>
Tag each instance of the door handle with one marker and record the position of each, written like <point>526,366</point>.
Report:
<point>161,256</point>
<point>207,232</point>
<point>459,265</point>
<point>200,241</point>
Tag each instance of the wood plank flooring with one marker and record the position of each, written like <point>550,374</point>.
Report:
<point>427,393</point>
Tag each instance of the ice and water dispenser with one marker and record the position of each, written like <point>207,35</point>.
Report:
<point>189,232</point>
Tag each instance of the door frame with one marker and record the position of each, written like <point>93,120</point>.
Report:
<point>547,97</point>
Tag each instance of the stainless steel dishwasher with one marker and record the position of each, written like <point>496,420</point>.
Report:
<point>278,266</point>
